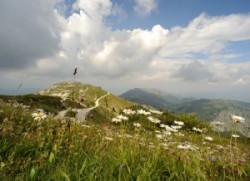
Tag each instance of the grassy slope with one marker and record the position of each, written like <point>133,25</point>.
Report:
<point>55,149</point>
<point>63,150</point>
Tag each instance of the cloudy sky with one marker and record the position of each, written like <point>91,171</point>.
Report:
<point>198,48</point>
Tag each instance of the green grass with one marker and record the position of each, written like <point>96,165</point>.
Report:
<point>54,149</point>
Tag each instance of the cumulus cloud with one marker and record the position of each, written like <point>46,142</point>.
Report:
<point>41,42</point>
<point>29,30</point>
<point>144,8</point>
<point>207,35</point>
<point>194,71</point>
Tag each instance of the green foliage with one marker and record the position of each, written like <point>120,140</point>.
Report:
<point>53,149</point>
<point>47,103</point>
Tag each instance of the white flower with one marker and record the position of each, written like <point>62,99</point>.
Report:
<point>155,111</point>
<point>179,134</point>
<point>176,127</point>
<point>109,138</point>
<point>187,147</point>
<point>137,125</point>
<point>167,133</point>
<point>235,136</point>
<point>39,116</point>
<point>128,111</point>
<point>116,120</point>
<point>162,125</point>
<point>208,138</point>
<point>86,126</point>
<point>197,130</point>
<point>180,123</point>
<point>168,128</point>
<point>154,120</point>
<point>122,117</point>
<point>141,111</point>
<point>238,119</point>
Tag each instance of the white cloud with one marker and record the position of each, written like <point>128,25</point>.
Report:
<point>207,35</point>
<point>29,31</point>
<point>155,56</point>
<point>145,7</point>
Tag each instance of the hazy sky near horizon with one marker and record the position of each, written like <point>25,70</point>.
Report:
<point>198,48</point>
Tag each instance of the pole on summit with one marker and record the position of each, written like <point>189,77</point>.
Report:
<point>75,72</point>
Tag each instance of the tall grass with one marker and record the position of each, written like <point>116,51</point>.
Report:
<point>54,149</point>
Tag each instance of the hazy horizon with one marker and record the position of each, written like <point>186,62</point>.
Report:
<point>196,95</point>
<point>190,48</point>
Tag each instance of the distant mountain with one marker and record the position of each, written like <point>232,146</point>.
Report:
<point>154,97</point>
<point>206,109</point>
<point>209,109</point>
<point>143,97</point>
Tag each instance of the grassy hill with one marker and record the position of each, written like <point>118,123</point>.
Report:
<point>135,148</point>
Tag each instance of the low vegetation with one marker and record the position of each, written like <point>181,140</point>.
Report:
<point>136,143</point>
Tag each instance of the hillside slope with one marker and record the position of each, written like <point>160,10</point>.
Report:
<point>205,109</point>
<point>70,98</point>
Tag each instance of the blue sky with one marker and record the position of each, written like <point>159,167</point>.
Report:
<point>170,13</point>
<point>197,48</point>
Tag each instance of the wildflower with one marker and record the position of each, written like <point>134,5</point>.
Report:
<point>197,130</point>
<point>137,125</point>
<point>122,166</point>
<point>116,120</point>
<point>121,117</point>
<point>180,123</point>
<point>176,127</point>
<point>86,126</point>
<point>208,138</point>
<point>235,136</point>
<point>184,147</point>
<point>141,111</point>
<point>168,128</point>
<point>179,134</point>
<point>154,120</point>
<point>167,133</point>
<point>187,147</point>
<point>238,119</point>
<point>162,125</point>
<point>211,158</point>
<point>128,111</point>
<point>39,116</point>
<point>109,138</point>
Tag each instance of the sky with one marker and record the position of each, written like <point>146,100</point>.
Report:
<point>197,48</point>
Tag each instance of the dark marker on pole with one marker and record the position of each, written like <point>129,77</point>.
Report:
<point>75,72</point>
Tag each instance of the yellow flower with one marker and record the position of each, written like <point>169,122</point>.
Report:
<point>39,116</point>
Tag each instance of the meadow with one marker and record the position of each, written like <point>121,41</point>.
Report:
<point>136,143</point>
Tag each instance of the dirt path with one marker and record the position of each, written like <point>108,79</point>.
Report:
<point>81,113</point>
